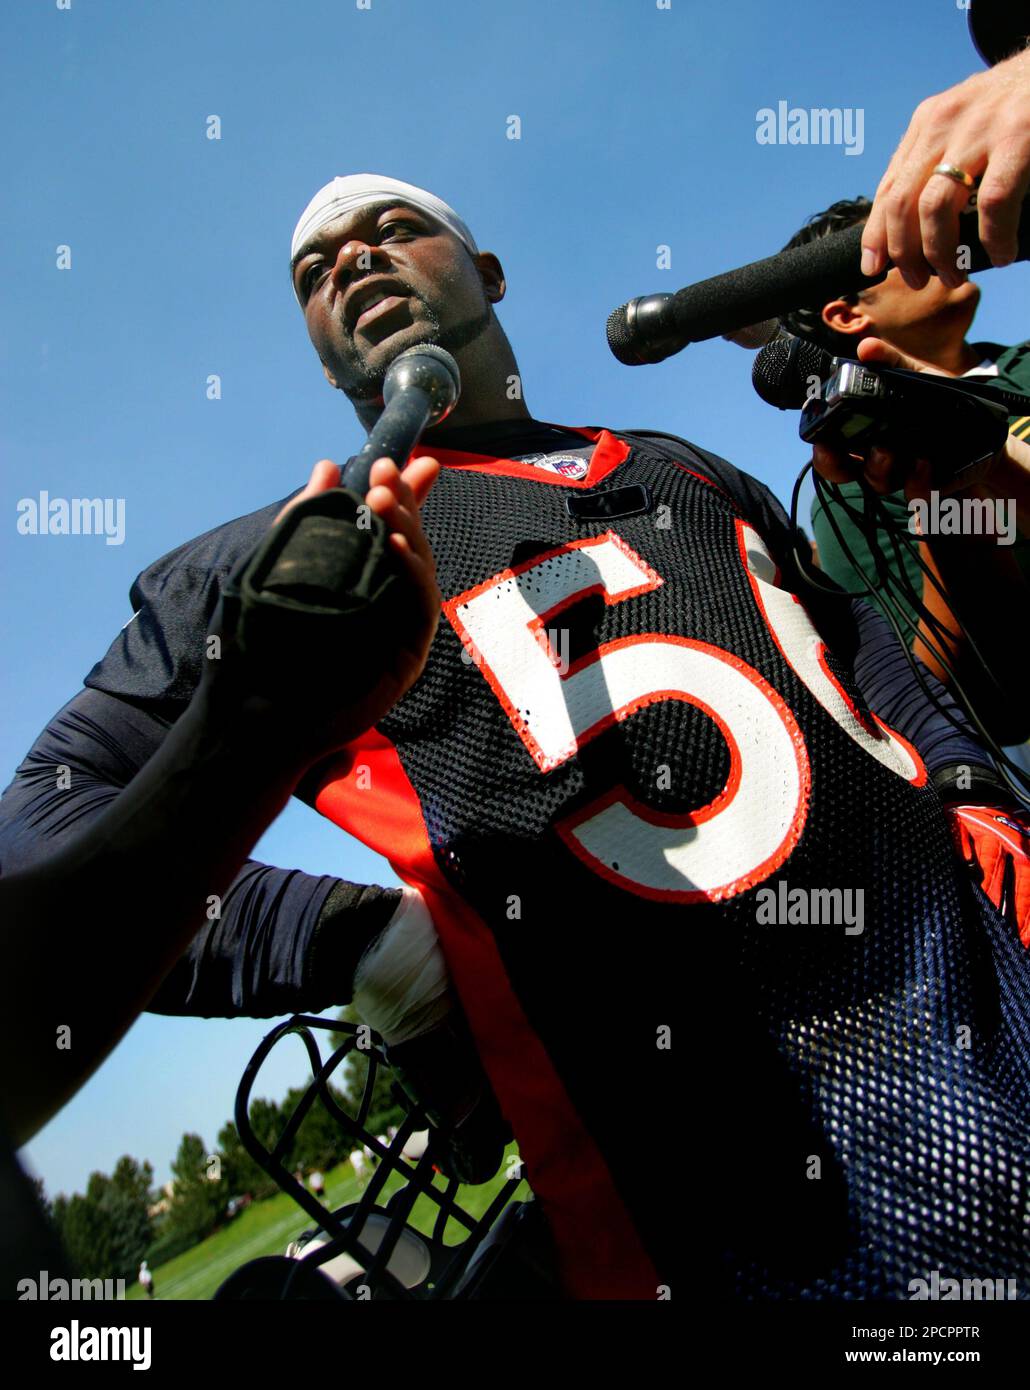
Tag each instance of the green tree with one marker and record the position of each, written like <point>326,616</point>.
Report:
<point>86,1230</point>
<point>239,1170</point>
<point>57,1210</point>
<point>127,1201</point>
<point>353,1078</point>
<point>106,1231</point>
<point>320,1142</point>
<point>199,1194</point>
<point>266,1121</point>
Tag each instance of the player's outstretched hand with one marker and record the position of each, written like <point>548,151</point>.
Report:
<point>329,621</point>
<point>888,470</point>
<point>982,127</point>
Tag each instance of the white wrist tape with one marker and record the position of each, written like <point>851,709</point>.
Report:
<point>400,986</point>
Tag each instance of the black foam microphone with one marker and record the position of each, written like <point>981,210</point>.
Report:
<point>786,367</point>
<point>421,387</point>
<point>324,578</point>
<point>787,374</point>
<point>656,326</point>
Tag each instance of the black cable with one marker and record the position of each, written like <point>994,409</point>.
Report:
<point>889,582</point>
<point>874,511</point>
<point>874,520</point>
<point>892,610</point>
<point>879,520</point>
<point>888,595</point>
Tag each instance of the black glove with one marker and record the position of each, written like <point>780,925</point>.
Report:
<point>322,581</point>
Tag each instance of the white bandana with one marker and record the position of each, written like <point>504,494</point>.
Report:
<point>346,194</point>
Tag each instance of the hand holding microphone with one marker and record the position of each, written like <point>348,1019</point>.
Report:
<point>653,327</point>
<point>899,425</point>
<point>887,417</point>
<point>976,134</point>
<point>328,621</point>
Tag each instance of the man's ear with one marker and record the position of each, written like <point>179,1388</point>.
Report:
<point>847,318</point>
<point>491,272</point>
<point>328,375</point>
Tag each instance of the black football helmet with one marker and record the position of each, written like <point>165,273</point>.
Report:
<point>370,1249</point>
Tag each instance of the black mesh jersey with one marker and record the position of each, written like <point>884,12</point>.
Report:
<point>751,1025</point>
<point>667,808</point>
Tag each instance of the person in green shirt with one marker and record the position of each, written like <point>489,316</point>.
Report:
<point>986,581</point>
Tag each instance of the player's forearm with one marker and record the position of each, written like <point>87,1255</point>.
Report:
<point>252,956</point>
<point>91,932</point>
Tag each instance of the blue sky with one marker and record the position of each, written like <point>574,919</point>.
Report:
<point>638,130</point>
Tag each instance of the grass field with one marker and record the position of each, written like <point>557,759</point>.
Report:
<point>266,1228</point>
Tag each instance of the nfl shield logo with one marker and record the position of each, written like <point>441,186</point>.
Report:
<point>568,465</point>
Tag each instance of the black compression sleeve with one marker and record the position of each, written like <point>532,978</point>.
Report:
<point>352,917</point>
<point>893,691</point>
<point>253,958</point>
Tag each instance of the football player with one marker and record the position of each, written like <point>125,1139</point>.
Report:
<point>681,838</point>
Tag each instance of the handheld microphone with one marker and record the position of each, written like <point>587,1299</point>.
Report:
<point>655,326</point>
<point>852,406</point>
<point>788,371</point>
<point>421,387</point>
<point>923,415</point>
<point>784,370</point>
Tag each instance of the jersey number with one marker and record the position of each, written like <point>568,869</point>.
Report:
<point>747,831</point>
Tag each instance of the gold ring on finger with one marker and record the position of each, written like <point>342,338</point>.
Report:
<point>952,171</point>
